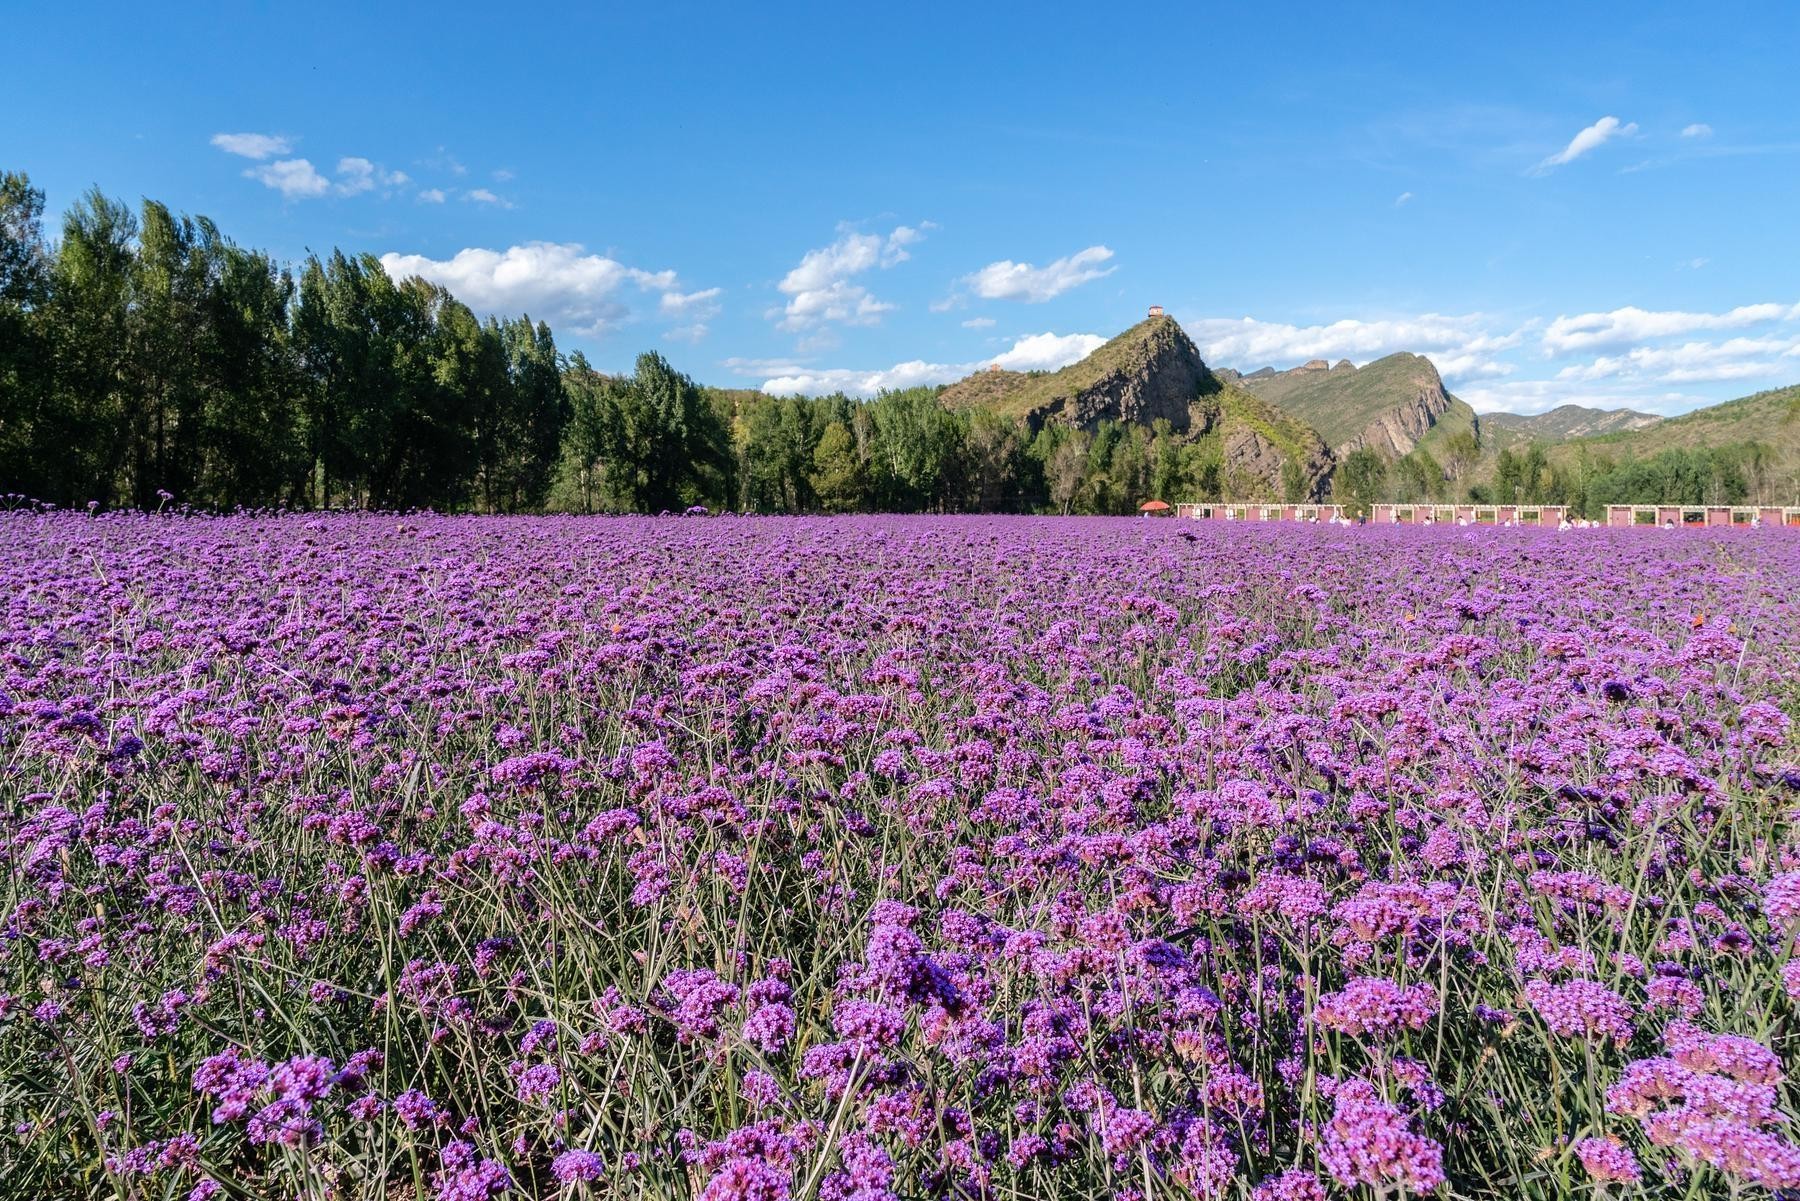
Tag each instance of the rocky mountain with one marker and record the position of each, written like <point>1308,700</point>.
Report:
<point>1561,424</point>
<point>1152,370</point>
<point>1387,405</point>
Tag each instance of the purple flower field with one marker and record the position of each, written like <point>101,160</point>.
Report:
<point>878,858</point>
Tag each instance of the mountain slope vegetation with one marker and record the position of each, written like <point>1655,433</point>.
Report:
<point>1387,405</point>
<point>1152,376</point>
<point>1771,417</point>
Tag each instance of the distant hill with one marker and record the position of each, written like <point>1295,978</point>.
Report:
<point>1760,434</point>
<point>1770,418</point>
<point>1387,405</point>
<point>1504,430</point>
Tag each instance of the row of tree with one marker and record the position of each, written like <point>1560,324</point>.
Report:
<point>1738,473</point>
<point>145,356</point>
<point>1747,472</point>
<point>654,440</point>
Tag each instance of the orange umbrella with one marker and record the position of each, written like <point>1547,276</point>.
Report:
<point>1153,506</point>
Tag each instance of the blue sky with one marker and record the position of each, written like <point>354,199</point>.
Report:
<point>1591,203</point>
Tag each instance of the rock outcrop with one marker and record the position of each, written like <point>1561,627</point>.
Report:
<point>1257,469</point>
<point>1265,454</point>
<point>1398,428</point>
<point>1151,371</point>
<point>1386,405</point>
<point>1158,377</point>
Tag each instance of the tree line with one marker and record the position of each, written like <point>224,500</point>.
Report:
<point>654,440</point>
<point>145,357</point>
<point>1737,473</point>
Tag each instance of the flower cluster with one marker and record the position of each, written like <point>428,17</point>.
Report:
<point>1369,1141</point>
<point>1377,1007</point>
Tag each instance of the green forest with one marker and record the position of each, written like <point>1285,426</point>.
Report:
<point>1735,473</point>
<point>147,360</point>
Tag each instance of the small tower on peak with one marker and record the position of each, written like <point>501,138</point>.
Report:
<point>1156,310</point>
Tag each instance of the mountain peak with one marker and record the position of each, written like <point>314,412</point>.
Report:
<point>1153,370</point>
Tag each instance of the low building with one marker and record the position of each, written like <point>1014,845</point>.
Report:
<point>1226,510</point>
<point>1433,514</point>
<point>1703,516</point>
<point>1685,516</point>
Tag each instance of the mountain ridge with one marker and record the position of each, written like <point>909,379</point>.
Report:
<point>1562,424</point>
<point>1386,405</point>
<point>1770,418</point>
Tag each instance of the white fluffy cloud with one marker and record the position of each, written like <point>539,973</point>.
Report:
<point>298,179</point>
<point>1698,129</point>
<point>432,196</point>
<point>1007,280</point>
<point>979,323</point>
<point>819,288</point>
<point>294,178</point>
<point>816,382</point>
<point>693,310</point>
<point>840,301</point>
<point>1048,352</point>
<point>258,146</point>
<point>484,196</point>
<point>1589,139</point>
<point>355,175</point>
<point>1622,327</point>
<point>1033,352</point>
<point>1695,362</point>
<point>1542,395</point>
<point>1462,347</point>
<point>554,281</point>
<point>695,305</point>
